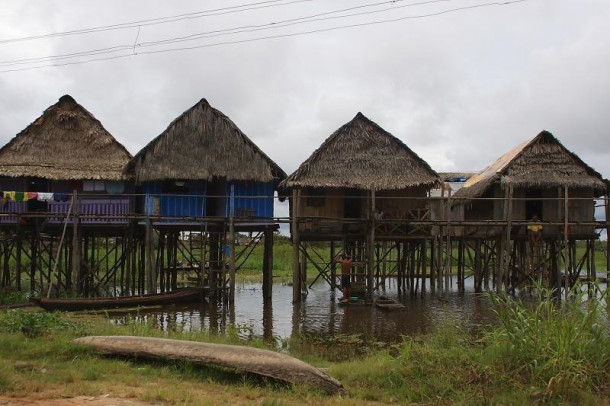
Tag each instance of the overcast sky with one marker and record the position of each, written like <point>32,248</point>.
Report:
<point>460,88</point>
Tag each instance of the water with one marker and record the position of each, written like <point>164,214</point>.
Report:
<point>319,314</point>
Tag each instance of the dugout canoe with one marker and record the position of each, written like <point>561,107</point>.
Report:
<point>243,359</point>
<point>183,295</point>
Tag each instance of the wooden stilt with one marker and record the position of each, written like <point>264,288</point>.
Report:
<point>370,252</point>
<point>268,265</point>
<point>296,272</point>
<point>566,276</point>
<point>232,261</point>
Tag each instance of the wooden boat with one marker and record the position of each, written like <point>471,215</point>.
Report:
<point>386,304</point>
<point>184,295</point>
<point>244,359</point>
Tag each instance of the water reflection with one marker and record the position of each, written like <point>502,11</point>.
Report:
<point>318,314</point>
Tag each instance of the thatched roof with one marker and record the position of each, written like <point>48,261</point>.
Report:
<point>65,143</point>
<point>542,162</point>
<point>362,155</point>
<point>202,144</point>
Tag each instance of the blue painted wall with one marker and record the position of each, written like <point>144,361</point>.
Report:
<point>251,199</point>
<point>190,203</point>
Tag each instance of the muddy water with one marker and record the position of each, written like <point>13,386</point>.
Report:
<point>319,314</point>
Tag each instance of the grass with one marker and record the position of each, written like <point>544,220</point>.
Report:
<point>540,352</point>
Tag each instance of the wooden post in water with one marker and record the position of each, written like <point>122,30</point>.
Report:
<point>267,265</point>
<point>370,252</point>
<point>232,259</point>
<point>333,267</point>
<point>296,271</point>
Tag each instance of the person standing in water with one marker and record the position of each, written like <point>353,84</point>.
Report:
<point>346,265</point>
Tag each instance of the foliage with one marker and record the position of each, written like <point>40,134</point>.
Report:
<point>564,346</point>
<point>34,324</point>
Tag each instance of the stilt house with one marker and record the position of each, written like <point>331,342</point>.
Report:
<point>539,177</point>
<point>65,150</point>
<point>360,172</point>
<point>203,165</point>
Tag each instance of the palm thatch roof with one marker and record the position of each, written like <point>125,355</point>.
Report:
<point>542,162</point>
<point>202,144</point>
<point>362,155</point>
<point>65,143</point>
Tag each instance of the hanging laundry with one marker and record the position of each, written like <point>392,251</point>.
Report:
<point>61,197</point>
<point>9,195</point>
<point>45,197</point>
<point>19,196</point>
<point>32,195</point>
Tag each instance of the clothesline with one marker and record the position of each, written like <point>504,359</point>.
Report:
<point>40,196</point>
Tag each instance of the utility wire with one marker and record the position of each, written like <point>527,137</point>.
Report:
<point>159,20</point>
<point>229,31</point>
<point>413,17</point>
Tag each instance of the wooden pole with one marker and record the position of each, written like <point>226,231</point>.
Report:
<point>232,260</point>
<point>333,267</point>
<point>268,264</point>
<point>61,241</point>
<point>296,272</point>
<point>19,245</point>
<point>607,204</point>
<point>509,226</point>
<point>566,278</point>
<point>370,252</point>
<point>148,255</point>
<point>76,255</point>
<point>448,245</point>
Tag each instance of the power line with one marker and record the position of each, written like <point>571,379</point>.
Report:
<point>230,31</point>
<point>378,22</point>
<point>159,20</point>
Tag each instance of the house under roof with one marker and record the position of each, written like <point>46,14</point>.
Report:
<point>65,143</point>
<point>202,144</point>
<point>542,162</point>
<point>362,155</point>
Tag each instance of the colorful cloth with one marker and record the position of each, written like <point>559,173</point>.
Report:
<point>534,227</point>
<point>32,195</point>
<point>19,196</point>
<point>9,195</point>
<point>45,197</point>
